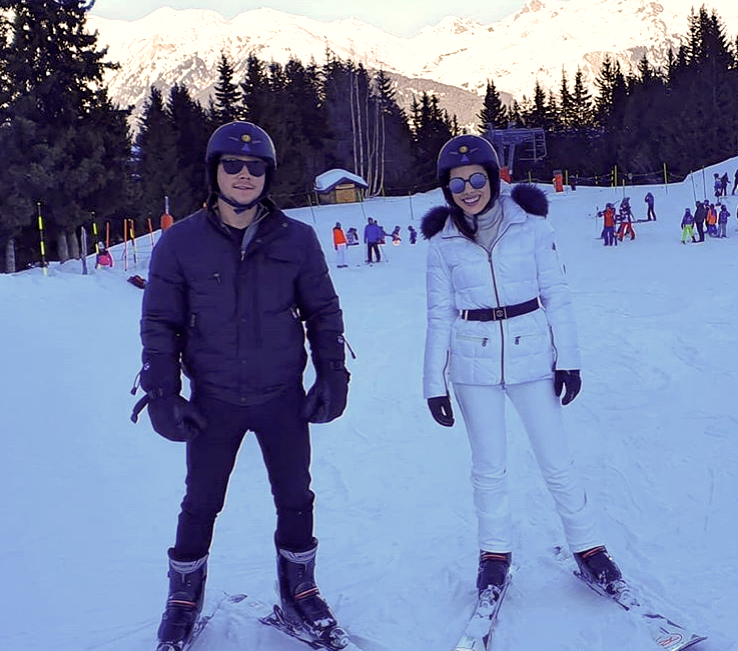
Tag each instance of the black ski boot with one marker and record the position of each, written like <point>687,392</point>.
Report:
<point>303,607</point>
<point>597,567</point>
<point>184,603</point>
<point>492,573</point>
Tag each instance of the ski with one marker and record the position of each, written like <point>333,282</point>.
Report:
<point>665,634</point>
<point>334,639</point>
<point>480,628</point>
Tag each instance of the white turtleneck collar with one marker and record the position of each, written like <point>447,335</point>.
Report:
<point>488,225</point>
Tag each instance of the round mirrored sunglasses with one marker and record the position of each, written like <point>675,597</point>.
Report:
<point>477,180</point>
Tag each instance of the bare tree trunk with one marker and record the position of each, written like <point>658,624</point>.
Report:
<point>353,120</point>
<point>382,146</point>
<point>362,135</point>
<point>10,256</point>
<point>73,245</point>
<point>63,247</point>
<point>373,142</point>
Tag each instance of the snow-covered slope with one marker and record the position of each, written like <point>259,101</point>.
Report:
<point>90,500</point>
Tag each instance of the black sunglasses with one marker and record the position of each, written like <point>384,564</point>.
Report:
<point>235,165</point>
<point>477,180</point>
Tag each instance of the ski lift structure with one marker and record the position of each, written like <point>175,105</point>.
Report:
<point>521,144</point>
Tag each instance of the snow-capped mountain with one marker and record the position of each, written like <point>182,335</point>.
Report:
<point>535,43</point>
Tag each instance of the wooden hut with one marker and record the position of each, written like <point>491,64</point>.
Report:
<point>339,186</point>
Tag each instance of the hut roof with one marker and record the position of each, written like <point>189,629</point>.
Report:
<point>327,181</point>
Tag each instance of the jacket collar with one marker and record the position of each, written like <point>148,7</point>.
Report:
<point>523,200</point>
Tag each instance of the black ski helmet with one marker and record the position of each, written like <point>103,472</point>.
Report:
<point>468,149</point>
<point>239,138</point>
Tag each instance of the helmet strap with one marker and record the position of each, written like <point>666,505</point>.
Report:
<point>238,208</point>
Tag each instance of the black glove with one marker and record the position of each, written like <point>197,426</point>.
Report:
<point>569,379</point>
<point>327,398</point>
<point>440,409</point>
<point>175,418</point>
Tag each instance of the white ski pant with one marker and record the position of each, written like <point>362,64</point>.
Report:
<point>341,255</point>
<point>483,410</point>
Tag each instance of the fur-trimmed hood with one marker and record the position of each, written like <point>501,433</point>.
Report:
<point>530,198</point>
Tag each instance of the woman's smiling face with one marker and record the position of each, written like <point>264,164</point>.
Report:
<point>471,200</point>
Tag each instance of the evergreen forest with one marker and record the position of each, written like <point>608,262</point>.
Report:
<point>72,158</point>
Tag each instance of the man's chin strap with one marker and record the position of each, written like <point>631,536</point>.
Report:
<point>238,208</point>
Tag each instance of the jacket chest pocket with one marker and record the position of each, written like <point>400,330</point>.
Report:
<point>211,300</point>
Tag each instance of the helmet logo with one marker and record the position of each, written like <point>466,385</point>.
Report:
<point>246,137</point>
<point>463,149</point>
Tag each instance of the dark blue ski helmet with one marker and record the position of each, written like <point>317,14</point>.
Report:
<point>239,138</point>
<point>468,149</point>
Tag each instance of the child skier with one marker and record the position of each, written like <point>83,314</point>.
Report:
<point>687,224</point>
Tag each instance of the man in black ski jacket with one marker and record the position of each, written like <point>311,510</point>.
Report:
<point>700,214</point>
<point>233,291</point>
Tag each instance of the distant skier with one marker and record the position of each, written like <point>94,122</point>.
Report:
<point>372,238</point>
<point>469,328</point>
<point>340,244</point>
<point>626,220</point>
<point>608,231</point>
<point>103,257</point>
<point>711,220</point>
<point>650,213</point>
<point>735,183</point>
<point>723,217</point>
<point>687,224</point>
<point>413,234</point>
<point>352,237</point>
<point>700,213</point>
<point>724,181</point>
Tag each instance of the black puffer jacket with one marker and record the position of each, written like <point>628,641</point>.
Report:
<point>233,321</point>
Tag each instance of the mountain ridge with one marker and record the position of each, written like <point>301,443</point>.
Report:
<point>171,46</point>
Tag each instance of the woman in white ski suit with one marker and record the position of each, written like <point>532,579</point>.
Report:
<point>500,322</point>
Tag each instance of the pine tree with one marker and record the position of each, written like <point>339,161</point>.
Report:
<point>493,113</point>
<point>68,145</point>
<point>582,109</point>
<point>394,148</point>
<point>567,110</point>
<point>538,115</point>
<point>226,104</point>
<point>339,97</point>
<point>256,94</point>
<point>188,123</point>
<point>157,162</point>
<point>432,127</point>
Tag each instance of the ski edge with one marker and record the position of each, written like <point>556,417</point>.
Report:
<point>470,641</point>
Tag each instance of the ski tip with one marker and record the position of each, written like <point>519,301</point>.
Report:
<point>237,598</point>
<point>680,645</point>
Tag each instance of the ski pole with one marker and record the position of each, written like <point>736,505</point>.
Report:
<point>42,240</point>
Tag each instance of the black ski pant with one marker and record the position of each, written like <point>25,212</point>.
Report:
<point>372,246</point>
<point>284,439</point>
<point>700,230</point>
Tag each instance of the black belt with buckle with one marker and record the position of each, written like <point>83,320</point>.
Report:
<point>499,313</point>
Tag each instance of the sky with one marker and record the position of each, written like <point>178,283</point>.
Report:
<point>89,500</point>
<point>403,19</point>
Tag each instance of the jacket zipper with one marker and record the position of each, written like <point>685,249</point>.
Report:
<point>497,298</point>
